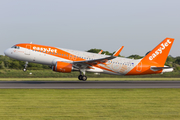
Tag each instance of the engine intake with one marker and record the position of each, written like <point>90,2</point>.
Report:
<point>62,67</point>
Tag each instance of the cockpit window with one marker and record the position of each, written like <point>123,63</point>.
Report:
<point>16,47</point>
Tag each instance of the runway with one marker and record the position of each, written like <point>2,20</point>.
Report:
<point>87,84</point>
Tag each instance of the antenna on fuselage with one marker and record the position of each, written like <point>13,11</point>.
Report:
<point>30,42</point>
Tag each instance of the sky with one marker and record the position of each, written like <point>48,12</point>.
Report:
<point>138,25</point>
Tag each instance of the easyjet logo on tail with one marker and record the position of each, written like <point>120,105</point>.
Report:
<point>160,49</point>
<point>45,49</point>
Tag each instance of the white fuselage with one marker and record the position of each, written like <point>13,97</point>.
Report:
<point>118,65</point>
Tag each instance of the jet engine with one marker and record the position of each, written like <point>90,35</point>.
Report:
<point>62,67</point>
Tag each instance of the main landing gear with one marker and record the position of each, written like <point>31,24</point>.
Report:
<point>82,77</point>
<point>25,66</point>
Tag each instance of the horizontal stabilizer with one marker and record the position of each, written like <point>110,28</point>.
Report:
<point>160,68</point>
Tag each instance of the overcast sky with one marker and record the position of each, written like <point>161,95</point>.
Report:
<point>139,25</point>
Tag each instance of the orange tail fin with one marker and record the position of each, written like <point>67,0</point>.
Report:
<point>160,53</point>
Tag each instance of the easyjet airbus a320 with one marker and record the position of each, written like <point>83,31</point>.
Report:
<point>66,60</point>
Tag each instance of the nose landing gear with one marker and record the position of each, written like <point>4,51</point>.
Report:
<point>25,66</point>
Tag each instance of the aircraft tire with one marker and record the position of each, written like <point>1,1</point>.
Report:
<point>80,77</point>
<point>24,69</point>
<point>84,78</point>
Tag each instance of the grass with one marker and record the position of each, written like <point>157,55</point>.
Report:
<point>18,75</point>
<point>90,104</point>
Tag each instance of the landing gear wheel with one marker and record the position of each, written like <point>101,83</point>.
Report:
<point>80,77</point>
<point>84,78</point>
<point>24,69</point>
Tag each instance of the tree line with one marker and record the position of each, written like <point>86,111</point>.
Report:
<point>9,63</point>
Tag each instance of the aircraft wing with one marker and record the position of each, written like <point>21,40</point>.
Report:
<point>87,63</point>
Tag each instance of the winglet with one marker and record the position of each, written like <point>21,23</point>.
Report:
<point>100,52</point>
<point>118,51</point>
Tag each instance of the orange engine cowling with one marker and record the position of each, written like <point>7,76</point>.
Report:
<point>62,67</point>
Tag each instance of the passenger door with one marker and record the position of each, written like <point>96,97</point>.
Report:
<point>28,50</point>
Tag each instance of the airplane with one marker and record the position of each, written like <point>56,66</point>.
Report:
<point>67,60</point>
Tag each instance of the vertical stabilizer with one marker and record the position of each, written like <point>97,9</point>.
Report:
<point>160,53</point>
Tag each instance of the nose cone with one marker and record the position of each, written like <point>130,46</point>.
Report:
<point>7,52</point>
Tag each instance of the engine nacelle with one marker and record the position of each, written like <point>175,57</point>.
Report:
<point>62,67</point>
